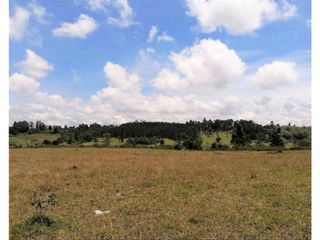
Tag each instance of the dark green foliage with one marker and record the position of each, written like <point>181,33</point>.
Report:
<point>140,141</point>
<point>178,146</point>
<point>19,127</point>
<point>275,138</point>
<point>41,219</point>
<point>239,137</point>
<point>47,142</point>
<point>219,146</point>
<point>244,132</point>
<point>40,126</point>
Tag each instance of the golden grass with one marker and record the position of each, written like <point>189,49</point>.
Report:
<point>163,194</point>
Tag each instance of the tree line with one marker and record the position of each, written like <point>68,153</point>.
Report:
<point>187,135</point>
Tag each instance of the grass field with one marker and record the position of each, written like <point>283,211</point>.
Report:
<point>162,194</point>
<point>207,140</point>
<point>32,140</point>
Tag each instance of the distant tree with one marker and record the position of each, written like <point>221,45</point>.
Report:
<point>260,136</point>
<point>20,127</point>
<point>276,139</point>
<point>218,139</point>
<point>40,126</point>
<point>162,141</point>
<point>87,137</point>
<point>55,130</point>
<point>238,135</point>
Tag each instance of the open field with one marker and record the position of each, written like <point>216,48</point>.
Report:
<point>32,140</point>
<point>162,194</point>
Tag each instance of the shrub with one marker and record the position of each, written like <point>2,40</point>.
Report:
<point>47,142</point>
<point>178,146</point>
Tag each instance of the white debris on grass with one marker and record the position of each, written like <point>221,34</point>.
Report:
<point>99,212</point>
<point>119,194</point>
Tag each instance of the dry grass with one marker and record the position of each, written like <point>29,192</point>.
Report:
<point>160,194</point>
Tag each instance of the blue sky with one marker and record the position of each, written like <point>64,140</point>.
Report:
<point>254,60</point>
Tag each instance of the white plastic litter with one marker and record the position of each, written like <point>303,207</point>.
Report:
<point>99,212</point>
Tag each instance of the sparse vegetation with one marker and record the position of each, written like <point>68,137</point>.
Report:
<point>193,135</point>
<point>155,194</point>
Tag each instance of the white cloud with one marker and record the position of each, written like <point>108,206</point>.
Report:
<point>152,34</point>
<point>208,64</point>
<point>123,8</point>
<point>238,17</point>
<point>263,100</point>
<point>38,11</point>
<point>20,82</point>
<point>97,4</point>
<point>167,80</point>
<point>125,14</point>
<point>118,103</point>
<point>164,37</point>
<point>81,28</point>
<point>19,22</point>
<point>275,75</point>
<point>35,66</point>
<point>118,77</point>
<point>288,106</point>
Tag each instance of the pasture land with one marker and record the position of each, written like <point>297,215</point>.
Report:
<point>32,140</point>
<point>161,194</point>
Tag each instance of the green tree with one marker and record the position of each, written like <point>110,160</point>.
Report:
<point>238,136</point>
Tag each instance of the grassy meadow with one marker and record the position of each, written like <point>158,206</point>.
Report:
<point>161,194</point>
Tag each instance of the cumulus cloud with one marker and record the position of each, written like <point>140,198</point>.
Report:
<point>18,23</point>
<point>118,103</point>
<point>164,37</point>
<point>274,75</point>
<point>118,77</point>
<point>208,64</point>
<point>152,34</point>
<point>21,82</point>
<point>233,16</point>
<point>35,66</point>
<point>167,80</point>
<point>80,28</point>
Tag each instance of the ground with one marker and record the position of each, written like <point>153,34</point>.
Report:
<point>162,194</point>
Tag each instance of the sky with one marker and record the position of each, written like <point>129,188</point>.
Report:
<point>114,61</point>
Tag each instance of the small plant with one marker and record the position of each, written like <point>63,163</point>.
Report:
<point>42,201</point>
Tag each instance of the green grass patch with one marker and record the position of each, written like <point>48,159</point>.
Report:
<point>31,140</point>
<point>207,140</point>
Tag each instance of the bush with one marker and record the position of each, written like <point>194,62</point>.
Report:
<point>88,138</point>
<point>141,141</point>
<point>219,146</point>
<point>46,142</point>
<point>178,146</point>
